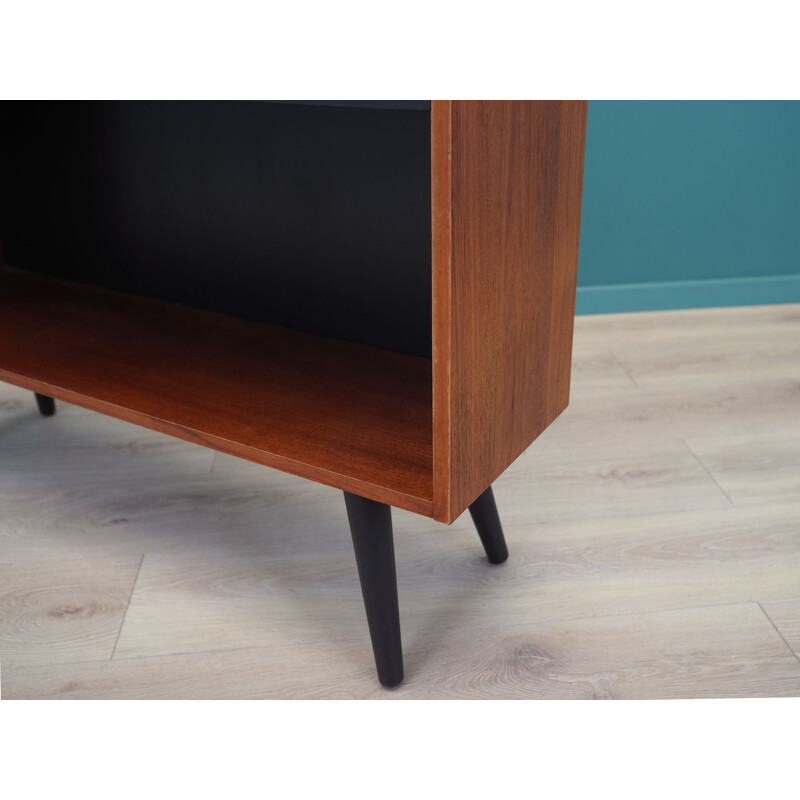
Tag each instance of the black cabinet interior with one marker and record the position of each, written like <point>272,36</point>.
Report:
<point>314,216</point>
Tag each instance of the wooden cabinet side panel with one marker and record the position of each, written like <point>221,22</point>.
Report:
<point>502,354</point>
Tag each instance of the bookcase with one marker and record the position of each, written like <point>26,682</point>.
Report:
<point>375,295</point>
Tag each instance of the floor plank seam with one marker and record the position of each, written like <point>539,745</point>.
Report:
<point>610,517</point>
<point>705,468</point>
<point>643,613</point>
<point>48,558</point>
<point>624,368</point>
<point>125,613</point>
<point>420,634</point>
<point>777,630</point>
<point>49,664</point>
<point>643,516</point>
<point>190,653</point>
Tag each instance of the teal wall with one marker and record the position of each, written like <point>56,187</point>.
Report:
<point>690,203</point>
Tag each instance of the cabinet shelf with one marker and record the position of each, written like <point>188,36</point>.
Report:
<point>351,416</point>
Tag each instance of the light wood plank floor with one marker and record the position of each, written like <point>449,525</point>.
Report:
<point>654,532</point>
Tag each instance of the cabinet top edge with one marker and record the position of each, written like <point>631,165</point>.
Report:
<point>387,105</point>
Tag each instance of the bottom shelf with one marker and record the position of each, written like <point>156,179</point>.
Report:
<point>353,417</point>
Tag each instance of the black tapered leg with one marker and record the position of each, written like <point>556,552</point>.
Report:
<point>487,521</point>
<point>47,406</point>
<point>371,527</point>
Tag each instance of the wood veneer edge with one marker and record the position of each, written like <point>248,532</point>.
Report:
<point>441,227</point>
<point>319,474</point>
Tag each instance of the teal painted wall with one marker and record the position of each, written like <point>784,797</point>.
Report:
<point>690,203</point>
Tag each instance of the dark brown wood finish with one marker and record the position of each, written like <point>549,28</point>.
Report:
<point>350,416</point>
<point>507,179</point>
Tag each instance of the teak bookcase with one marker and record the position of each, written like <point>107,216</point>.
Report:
<point>375,295</point>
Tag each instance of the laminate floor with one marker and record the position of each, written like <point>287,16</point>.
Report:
<point>654,532</point>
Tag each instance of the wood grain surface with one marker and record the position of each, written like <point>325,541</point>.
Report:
<point>693,653</point>
<point>753,469</point>
<point>507,180</point>
<point>62,611</point>
<point>349,416</point>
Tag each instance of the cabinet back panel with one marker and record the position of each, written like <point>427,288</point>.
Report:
<point>311,217</point>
